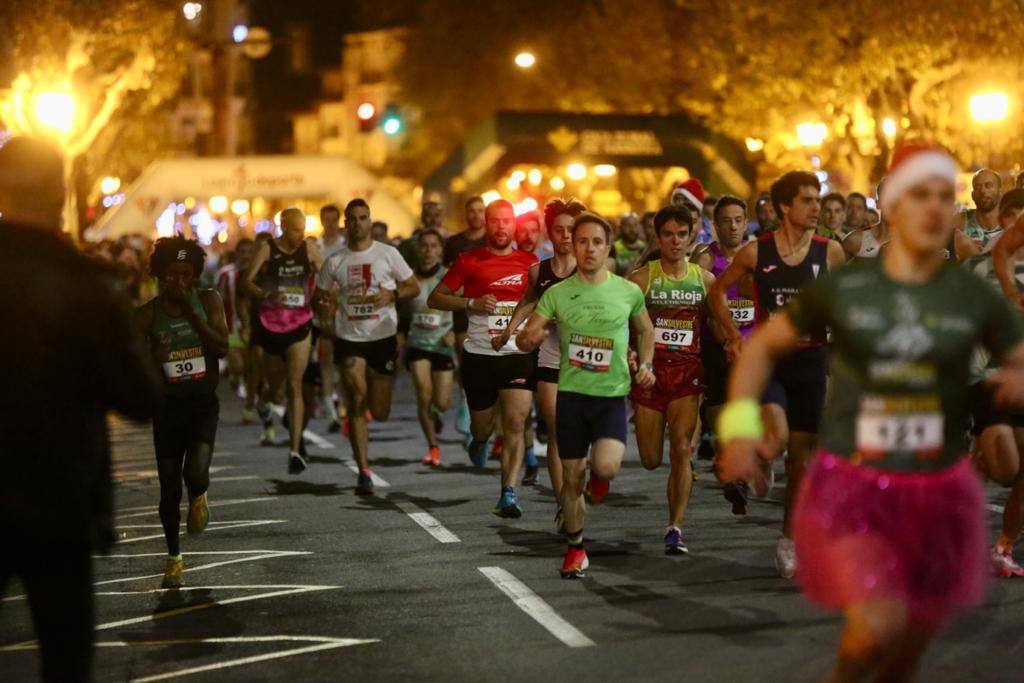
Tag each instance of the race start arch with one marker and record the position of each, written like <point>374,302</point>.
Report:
<point>335,178</point>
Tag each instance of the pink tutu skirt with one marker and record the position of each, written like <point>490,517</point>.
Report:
<point>918,538</point>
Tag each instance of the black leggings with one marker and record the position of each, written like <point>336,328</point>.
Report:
<point>183,435</point>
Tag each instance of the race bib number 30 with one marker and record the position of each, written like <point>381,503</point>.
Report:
<point>673,335</point>
<point>593,354</point>
<point>500,317</point>
<point>891,424</point>
<point>185,369</point>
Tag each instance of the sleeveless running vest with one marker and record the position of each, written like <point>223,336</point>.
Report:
<point>188,369</point>
<point>776,282</point>
<point>676,311</point>
<point>741,308</point>
<point>550,354</point>
<point>291,275</point>
<point>428,326</point>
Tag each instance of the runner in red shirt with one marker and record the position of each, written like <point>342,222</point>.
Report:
<point>493,279</point>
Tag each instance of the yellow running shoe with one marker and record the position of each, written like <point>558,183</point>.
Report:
<point>174,573</point>
<point>198,514</point>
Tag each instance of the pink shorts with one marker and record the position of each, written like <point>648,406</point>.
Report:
<point>919,538</point>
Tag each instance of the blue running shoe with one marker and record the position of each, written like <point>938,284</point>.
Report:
<point>462,418</point>
<point>478,452</point>
<point>674,544</point>
<point>364,483</point>
<point>530,457</point>
<point>508,504</point>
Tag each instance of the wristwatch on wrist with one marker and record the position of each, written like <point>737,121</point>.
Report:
<point>646,366</point>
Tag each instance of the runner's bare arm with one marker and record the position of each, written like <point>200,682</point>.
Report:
<point>836,255</point>
<point>249,281</point>
<point>964,246</point>
<point>443,299</point>
<point>644,334</point>
<point>407,289</point>
<point>316,257</point>
<point>1008,381</point>
<point>705,259</point>
<point>744,262</point>
<point>709,282</point>
<point>1002,257</point>
<point>753,368</point>
<point>851,245</point>
<point>524,308</point>
<point>641,277</point>
<point>533,333</point>
<point>214,330</point>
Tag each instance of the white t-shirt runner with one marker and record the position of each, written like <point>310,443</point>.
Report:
<point>360,276</point>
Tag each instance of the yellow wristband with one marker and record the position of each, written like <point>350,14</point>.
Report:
<point>740,420</point>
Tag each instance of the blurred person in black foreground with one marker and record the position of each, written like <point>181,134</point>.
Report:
<point>69,355</point>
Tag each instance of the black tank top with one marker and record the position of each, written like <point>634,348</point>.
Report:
<point>776,282</point>
<point>546,277</point>
<point>288,271</point>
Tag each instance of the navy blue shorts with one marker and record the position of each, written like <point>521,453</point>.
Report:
<point>798,385</point>
<point>580,420</point>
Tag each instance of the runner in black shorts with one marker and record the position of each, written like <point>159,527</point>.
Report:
<point>369,277</point>
<point>473,237</point>
<point>188,334</point>
<point>782,263</point>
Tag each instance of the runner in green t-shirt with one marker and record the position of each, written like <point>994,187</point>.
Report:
<point>889,520</point>
<point>593,309</point>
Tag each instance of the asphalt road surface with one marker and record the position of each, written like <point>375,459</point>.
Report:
<point>299,579</point>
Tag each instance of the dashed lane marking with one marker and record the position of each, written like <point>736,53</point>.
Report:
<point>213,526</point>
<point>321,442</point>
<point>428,522</point>
<point>531,603</point>
<point>152,509</point>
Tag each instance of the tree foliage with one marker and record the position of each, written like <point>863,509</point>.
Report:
<point>747,69</point>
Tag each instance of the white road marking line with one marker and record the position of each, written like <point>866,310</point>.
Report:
<point>995,508</point>
<point>428,522</point>
<point>226,525</point>
<point>213,523</point>
<point>152,509</point>
<point>209,588</point>
<point>199,641</point>
<point>531,603</point>
<point>238,478</point>
<point>252,556</point>
<point>318,441</point>
<point>341,642</point>
<point>187,609</point>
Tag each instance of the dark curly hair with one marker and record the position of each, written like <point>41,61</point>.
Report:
<point>557,206</point>
<point>168,250</point>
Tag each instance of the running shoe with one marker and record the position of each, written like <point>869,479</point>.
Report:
<point>706,450</point>
<point>267,439</point>
<point>478,452</point>
<point>334,427</point>
<point>785,558</point>
<point>198,514</point>
<point>674,544</point>
<point>560,520</point>
<point>530,475</point>
<point>597,489</point>
<point>438,422</point>
<point>174,574</point>
<point>462,418</point>
<point>249,416</point>
<point>364,483</point>
<point>296,463</point>
<point>737,494</point>
<point>433,458</point>
<point>263,411</point>
<point>575,563</point>
<point>1003,563</point>
<point>508,504</point>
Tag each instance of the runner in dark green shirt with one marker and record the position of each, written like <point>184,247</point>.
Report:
<point>593,309</point>
<point>889,520</point>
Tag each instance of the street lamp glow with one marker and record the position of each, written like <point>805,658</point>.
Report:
<point>218,204</point>
<point>512,183</point>
<point>524,60</point>
<point>535,176</point>
<point>56,110</point>
<point>889,128</point>
<point>490,196</point>
<point>239,33</point>
<point>366,111</point>
<point>110,185</point>
<point>811,134</point>
<point>989,107</point>
<point>557,184</point>
<point>754,144</point>
<point>239,206</point>
<point>392,126</point>
<point>605,170</point>
<point>311,223</point>
<point>191,10</point>
<point>576,171</point>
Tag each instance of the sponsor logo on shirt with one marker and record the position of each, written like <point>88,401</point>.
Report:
<point>508,281</point>
<point>768,269</point>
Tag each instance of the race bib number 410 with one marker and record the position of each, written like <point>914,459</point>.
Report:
<point>500,317</point>
<point>593,354</point>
